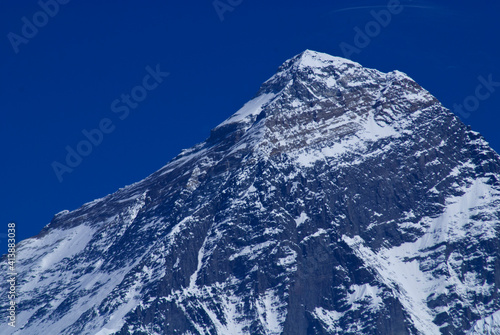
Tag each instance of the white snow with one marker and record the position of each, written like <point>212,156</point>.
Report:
<point>320,232</point>
<point>367,131</point>
<point>487,326</point>
<point>330,319</point>
<point>364,293</point>
<point>51,249</point>
<point>409,282</point>
<point>268,307</point>
<point>316,59</point>
<point>301,219</point>
<point>251,108</point>
<point>253,251</point>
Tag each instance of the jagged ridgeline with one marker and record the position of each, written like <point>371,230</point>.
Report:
<point>339,200</point>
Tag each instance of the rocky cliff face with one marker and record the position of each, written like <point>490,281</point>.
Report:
<point>339,200</point>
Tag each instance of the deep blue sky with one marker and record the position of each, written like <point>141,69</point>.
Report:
<point>64,79</point>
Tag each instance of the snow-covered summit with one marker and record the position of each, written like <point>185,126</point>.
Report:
<point>318,98</point>
<point>321,78</point>
<point>306,60</point>
<point>314,59</point>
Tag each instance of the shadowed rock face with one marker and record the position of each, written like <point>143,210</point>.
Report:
<point>340,200</point>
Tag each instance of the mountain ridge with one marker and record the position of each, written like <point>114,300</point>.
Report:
<point>339,200</point>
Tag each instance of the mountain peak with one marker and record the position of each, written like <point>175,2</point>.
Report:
<point>315,59</point>
<point>308,67</point>
<point>316,95</point>
<point>340,200</point>
<point>309,60</point>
